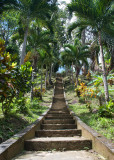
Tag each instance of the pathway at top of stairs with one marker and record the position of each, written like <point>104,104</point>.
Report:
<point>58,137</point>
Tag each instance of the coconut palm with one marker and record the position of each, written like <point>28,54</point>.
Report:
<point>31,10</point>
<point>8,4</point>
<point>98,15</point>
<point>78,55</point>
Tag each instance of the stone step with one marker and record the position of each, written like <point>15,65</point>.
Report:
<point>58,126</point>
<point>59,110</point>
<point>58,100</point>
<point>58,117</point>
<point>58,133</point>
<point>58,114</point>
<point>61,121</point>
<point>58,144</point>
<point>60,91</point>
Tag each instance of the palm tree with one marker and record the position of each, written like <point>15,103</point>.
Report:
<point>67,60</point>
<point>78,54</point>
<point>8,4</point>
<point>98,15</point>
<point>31,10</point>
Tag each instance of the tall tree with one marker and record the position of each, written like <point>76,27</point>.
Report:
<point>97,14</point>
<point>78,55</point>
<point>8,4</point>
<point>31,10</point>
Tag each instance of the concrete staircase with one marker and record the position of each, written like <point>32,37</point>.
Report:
<point>59,130</point>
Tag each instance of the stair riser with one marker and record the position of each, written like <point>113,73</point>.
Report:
<point>58,133</point>
<point>58,100</point>
<point>59,110</point>
<point>58,92</point>
<point>59,114</point>
<point>59,121</point>
<point>58,145</point>
<point>58,127</point>
<point>58,117</point>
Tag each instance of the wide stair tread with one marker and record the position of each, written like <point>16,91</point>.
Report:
<point>59,121</point>
<point>58,117</point>
<point>58,126</point>
<point>58,133</point>
<point>58,143</point>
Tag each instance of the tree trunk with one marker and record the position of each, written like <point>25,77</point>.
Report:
<point>112,58</point>
<point>72,73</point>
<point>32,85</point>
<point>83,37</point>
<point>76,70</point>
<point>41,78</point>
<point>50,74</point>
<point>103,70</point>
<point>46,78</point>
<point>24,46</point>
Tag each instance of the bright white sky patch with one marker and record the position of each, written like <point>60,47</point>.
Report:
<point>67,1</point>
<point>62,6</point>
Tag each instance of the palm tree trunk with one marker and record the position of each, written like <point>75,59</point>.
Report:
<point>46,78</point>
<point>72,72</point>
<point>41,78</point>
<point>112,58</point>
<point>50,74</point>
<point>103,70</point>
<point>83,37</point>
<point>76,70</point>
<point>32,85</point>
<point>24,46</point>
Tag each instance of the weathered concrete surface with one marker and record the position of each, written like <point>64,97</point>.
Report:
<point>58,143</point>
<point>15,145</point>
<point>99,143</point>
<point>60,121</point>
<point>58,133</point>
<point>54,155</point>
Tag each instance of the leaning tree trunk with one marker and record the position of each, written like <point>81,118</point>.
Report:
<point>103,70</point>
<point>24,46</point>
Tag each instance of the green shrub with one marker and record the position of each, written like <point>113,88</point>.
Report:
<point>22,105</point>
<point>77,92</point>
<point>106,110</point>
<point>37,93</point>
<point>81,100</point>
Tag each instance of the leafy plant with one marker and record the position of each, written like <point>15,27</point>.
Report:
<point>22,76</point>
<point>106,110</point>
<point>14,80</point>
<point>37,93</point>
<point>7,90</point>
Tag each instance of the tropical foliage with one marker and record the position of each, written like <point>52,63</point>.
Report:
<point>37,38</point>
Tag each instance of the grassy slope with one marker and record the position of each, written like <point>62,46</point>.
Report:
<point>102,125</point>
<point>17,121</point>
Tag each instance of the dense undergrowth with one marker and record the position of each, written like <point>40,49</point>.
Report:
<point>17,120</point>
<point>102,124</point>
